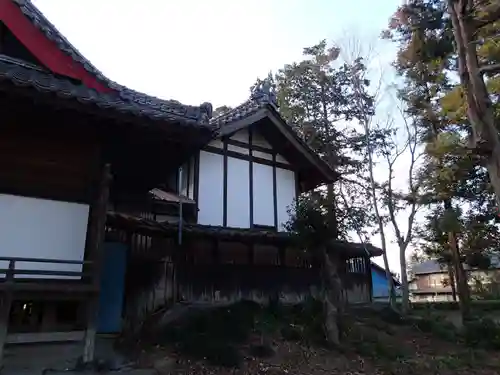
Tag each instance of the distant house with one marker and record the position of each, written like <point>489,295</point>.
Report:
<point>431,281</point>
<point>379,280</point>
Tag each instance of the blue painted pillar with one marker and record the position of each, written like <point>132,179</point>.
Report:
<point>112,291</point>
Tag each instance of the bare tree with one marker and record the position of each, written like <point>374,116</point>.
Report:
<point>354,52</point>
<point>388,143</point>
<point>409,198</point>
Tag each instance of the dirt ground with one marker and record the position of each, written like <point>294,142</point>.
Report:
<point>370,346</point>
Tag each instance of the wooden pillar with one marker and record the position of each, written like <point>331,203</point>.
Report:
<point>178,268</point>
<point>282,255</point>
<point>368,269</point>
<point>95,251</point>
<point>5,309</point>
<point>251,254</point>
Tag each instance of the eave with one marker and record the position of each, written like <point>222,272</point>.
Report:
<point>43,39</point>
<point>253,111</point>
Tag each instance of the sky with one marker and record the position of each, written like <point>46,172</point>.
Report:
<point>198,51</point>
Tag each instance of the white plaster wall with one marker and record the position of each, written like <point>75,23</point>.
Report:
<point>281,159</point>
<point>259,140</point>
<point>263,199</point>
<point>238,149</point>
<point>285,193</point>
<point>241,136</point>
<point>216,143</point>
<point>211,185</point>
<point>238,193</point>
<point>41,228</point>
<point>263,155</point>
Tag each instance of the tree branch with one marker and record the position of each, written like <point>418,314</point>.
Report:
<point>493,68</point>
<point>489,15</point>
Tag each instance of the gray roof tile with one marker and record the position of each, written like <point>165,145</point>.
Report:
<point>202,114</point>
<point>23,75</point>
<point>433,266</point>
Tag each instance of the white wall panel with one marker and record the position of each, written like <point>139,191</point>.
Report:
<point>210,192</point>
<point>216,143</point>
<point>238,193</point>
<point>238,149</point>
<point>281,159</point>
<point>41,228</point>
<point>263,155</point>
<point>263,199</point>
<point>285,193</point>
<point>241,136</point>
<point>259,140</point>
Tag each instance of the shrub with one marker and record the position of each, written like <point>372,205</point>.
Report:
<point>482,333</point>
<point>437,326</point>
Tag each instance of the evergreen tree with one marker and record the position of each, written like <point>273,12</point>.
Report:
<point>316,96</point>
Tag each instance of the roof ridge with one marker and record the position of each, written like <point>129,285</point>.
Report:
<point>203,112</point>
<point>261,95</point>
<point>18,74</point>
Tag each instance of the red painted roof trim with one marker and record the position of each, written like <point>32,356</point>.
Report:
<point>44,49</point>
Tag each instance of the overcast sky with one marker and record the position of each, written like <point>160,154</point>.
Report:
<point>199,51</point>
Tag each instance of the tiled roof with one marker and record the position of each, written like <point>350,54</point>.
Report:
<point>146,102</point>
<point>167,196</point>
<point>433,266</point>
<point>262,96</point>
<point>24,75</point>
<point>151,227</point>
<point>428,266</point>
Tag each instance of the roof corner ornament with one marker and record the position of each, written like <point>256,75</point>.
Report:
<point>206,111</point>
<point>264,91</point>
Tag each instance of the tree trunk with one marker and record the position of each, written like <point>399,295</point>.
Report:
<point>332,214</point>
<point>451,275</point>
<point>405,306</point>
<point>462,285</point>
<point>485,138</point>
<point>332,298</point>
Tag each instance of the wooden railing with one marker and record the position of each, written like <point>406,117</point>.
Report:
<point>9,276</point>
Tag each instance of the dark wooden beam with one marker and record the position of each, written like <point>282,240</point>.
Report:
<point>95,249</point>
<point>224,184</point>
<point>252,147</point>
<point>5,308</point>
<point>251,254</point>
<point>250,157</point>
<point>250,170</point>
<point>196,183</point>
<point>275,194</point>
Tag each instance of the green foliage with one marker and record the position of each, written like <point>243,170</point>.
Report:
<point>309,223</point>
<point>438,326</point>
<point>213,335</point>
<point>458,194</point>
<point>316,96</point>
<point>217,335</point>
<point>482,333</point>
